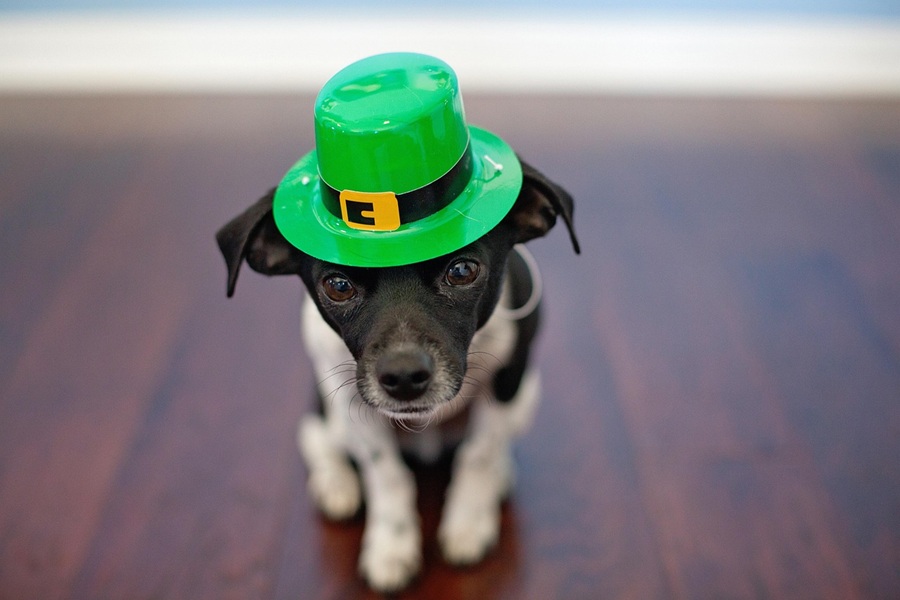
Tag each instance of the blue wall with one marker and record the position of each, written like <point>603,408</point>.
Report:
<point>825,8</point>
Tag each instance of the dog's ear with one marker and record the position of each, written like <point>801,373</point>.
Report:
<point>540,202</point>
<point>253,235</point>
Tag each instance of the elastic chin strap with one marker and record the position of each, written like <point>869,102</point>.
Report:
<point>537,289</point>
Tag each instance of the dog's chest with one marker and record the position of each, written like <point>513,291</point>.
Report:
<point>430,442</point>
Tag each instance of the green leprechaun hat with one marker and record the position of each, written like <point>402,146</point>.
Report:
<point>397,176</point>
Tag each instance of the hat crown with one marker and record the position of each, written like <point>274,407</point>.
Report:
<point>392,122</point>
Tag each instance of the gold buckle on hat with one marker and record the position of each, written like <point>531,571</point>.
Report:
<point>370,211</point>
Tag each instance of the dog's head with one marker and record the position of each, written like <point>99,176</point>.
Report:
<point>408,327</point>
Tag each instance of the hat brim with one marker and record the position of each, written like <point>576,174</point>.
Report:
<point>305,222</point>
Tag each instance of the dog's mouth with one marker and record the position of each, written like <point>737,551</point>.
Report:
<point>423,413</point>
<point>403,410</point>
<point>409,410</point>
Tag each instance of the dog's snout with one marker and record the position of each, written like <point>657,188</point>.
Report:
<point>405,375</point>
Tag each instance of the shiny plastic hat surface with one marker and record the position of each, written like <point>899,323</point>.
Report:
<point>391,122</point>
<point>391,142</point>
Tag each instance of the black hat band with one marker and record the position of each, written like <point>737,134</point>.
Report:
<point>377,211</point>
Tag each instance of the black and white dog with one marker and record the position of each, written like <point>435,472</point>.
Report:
<point>413,359</point>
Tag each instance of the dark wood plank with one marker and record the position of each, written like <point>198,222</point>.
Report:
<point>721,365</point>
<point>77,389</point>
<point>50,209</point>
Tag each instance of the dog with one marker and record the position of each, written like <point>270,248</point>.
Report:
<point>414,358</point>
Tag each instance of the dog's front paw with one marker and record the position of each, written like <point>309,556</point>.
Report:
<point>466,534</point>
<point>391,554</point>
<point>336,491</point>
<point>470,525</point>
<point>333,482</point>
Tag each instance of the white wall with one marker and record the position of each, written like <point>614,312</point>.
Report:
<point>795,47</point>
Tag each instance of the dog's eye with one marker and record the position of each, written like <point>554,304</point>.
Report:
<point>338,288</point>
<point>462,272</point>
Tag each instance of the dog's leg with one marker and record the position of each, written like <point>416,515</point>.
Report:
<point>392,541</point>
<point>483,473</point>
<point>391,549</point>
<point>333,483</point>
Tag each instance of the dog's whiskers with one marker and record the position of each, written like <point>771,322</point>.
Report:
<point>349,381</point>
<point>478,358</point>
<point>411,426</point>
<point>361,413</point>
<point>341,369</point>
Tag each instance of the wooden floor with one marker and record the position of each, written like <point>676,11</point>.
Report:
<point>722,363</point>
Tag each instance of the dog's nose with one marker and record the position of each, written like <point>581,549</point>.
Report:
<point>405,375</point>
